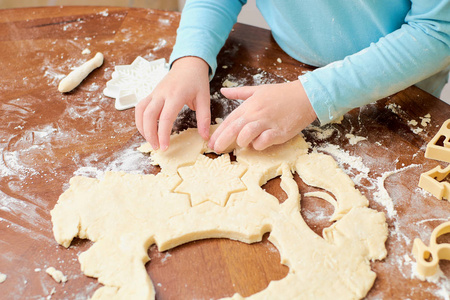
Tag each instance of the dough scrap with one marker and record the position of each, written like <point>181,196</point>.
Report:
<point>3,277</point>
<point>75,77</point>
<point>57,275</point>
<point>354,139</point>
<point>124,214</point>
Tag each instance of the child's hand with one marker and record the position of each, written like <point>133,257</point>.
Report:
<point>186,83</point>
<point>272,114</point>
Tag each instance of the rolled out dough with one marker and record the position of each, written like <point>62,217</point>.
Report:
<point>124,214</point>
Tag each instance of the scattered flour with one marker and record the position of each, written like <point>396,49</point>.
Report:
<point>166,256</point>
<point>164,21</point>
<point>432,220</point>
<point>444,293</point>
<point>262,77</point>
<point>417,130</point>
<point>89,171</point>
<point>316,215</point>
<point>127,160</point>
<point>382,196</point>
<point>435,278</point>
<point>160,44</point>
<point>53,291</point>
<point>344,158</point>
<point>104,13</point>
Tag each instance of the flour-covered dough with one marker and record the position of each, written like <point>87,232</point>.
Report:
<point>124,214</point>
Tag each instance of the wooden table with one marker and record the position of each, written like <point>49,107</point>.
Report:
<point>45,137</point>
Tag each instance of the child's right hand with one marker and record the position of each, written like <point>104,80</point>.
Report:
<point>186,83</point>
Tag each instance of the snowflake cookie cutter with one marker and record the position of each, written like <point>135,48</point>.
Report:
<point>131,83</point>
<point>434,182</point>
<point>439,147</point>
<point>427,257</point>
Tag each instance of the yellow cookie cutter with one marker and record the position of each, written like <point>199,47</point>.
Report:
<point>434,182</point>
<point>439,146</point>
<point>427,258</point>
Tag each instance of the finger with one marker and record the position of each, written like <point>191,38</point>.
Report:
<point>139,113</point>
<point>150,122</point>
<point>167,117</point>
<point>241,93</point>
<point>248,133</point>
<point>228,135</point>
<point>230,119</point>
<point>268,138</point>
<point>203,115</point>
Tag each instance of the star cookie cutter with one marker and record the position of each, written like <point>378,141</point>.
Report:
<point>428,257</point>
<point>434,182</point>
<point>439,147</point>
<point>131,83</point>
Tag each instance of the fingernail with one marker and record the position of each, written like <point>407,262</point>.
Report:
<point>217,150</point>
<point>164,147</point>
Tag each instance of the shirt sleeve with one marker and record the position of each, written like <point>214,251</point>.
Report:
<point>410,54</point>
<point>204,28</point>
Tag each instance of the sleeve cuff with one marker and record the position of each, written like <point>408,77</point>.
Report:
<point>319,98</point>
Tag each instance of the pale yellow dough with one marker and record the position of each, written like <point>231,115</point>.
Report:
<point>124,214</point>
<point>57,275</point>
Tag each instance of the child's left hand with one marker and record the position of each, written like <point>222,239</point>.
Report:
<point>271,114</point>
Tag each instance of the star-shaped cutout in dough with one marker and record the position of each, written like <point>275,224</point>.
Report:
<point>211,179</point>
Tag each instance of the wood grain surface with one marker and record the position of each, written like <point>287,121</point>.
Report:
<point>46,137</point>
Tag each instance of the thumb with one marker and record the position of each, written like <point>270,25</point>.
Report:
<point>241,93</point>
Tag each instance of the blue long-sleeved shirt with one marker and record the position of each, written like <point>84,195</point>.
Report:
<point>365,49</point>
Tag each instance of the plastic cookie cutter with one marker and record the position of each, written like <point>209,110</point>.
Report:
<point>427,258</point>
<point>439,147</point>
<point>131,83</point>
<point>434,181</point>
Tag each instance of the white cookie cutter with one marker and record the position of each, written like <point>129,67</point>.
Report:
<point>131,83</point>
<point>428,257</point>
